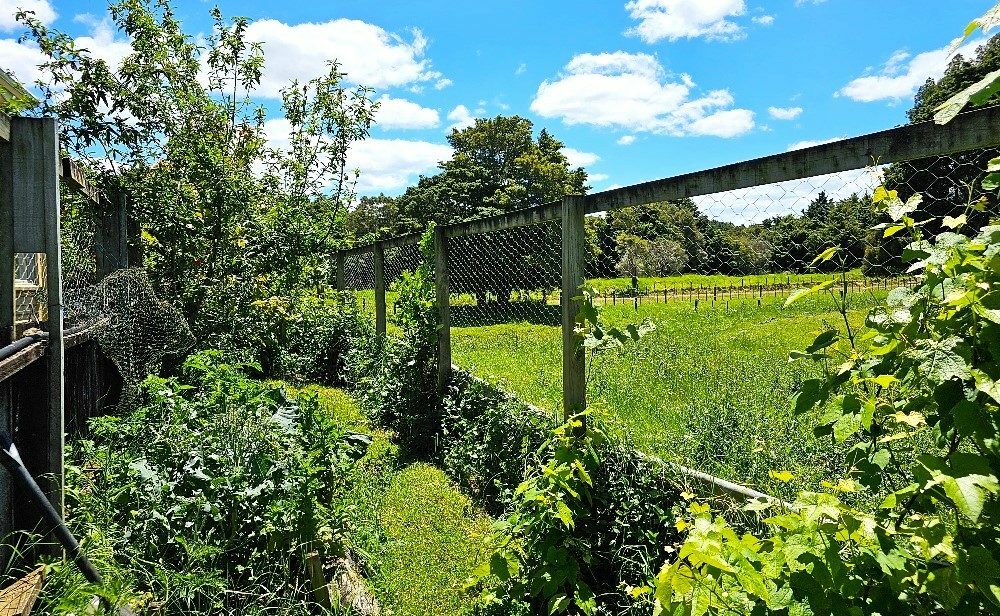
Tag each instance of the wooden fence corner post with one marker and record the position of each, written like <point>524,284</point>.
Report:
<point>378,257</point>
<point>35,195</point>
<point>574,258</point>
<point>443,296</point>
<point>6,329</point>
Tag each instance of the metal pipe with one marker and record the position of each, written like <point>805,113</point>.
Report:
<point>11,460</point>
<point>27,341</point>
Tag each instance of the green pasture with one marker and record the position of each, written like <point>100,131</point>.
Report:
<point>709,388</point>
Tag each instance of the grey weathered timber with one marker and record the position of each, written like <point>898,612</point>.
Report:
<point>574,259</point>
<point>112,234</point>
<point>4,128</point>
<point>6,319</point>
<point>35,146</point>
<point>341,285</point>
<point>443,297</point>
<point>393,242</point>
<point>75,179</point>
<point>508,220</point>
<point>968,131</point>
<point>378,258</point>
<point>6,243</point>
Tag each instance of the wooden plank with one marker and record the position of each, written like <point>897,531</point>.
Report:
<point>35,145</point>
<point>7,318</point>
<point>74,178</point>
<point>21,360</point>
<point>19,598</point>
<point>443,297</point>
<point>508,220</point>
<point>968,131</point>
<point>574,259</point>
<point>393,242</point>
<point>378,253</point>
<point>4,128</point>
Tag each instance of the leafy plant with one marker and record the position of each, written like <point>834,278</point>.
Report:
<point>213,490</point>
<point>917,396</point>
<point>541,558</point>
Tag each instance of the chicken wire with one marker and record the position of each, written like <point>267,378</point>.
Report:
<point>506,276</point>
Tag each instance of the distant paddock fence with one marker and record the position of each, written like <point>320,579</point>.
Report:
<point>737,221</point>
<point>59,236</point>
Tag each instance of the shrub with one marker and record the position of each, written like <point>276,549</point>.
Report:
<point>211,492</point>
<point>307,337</point>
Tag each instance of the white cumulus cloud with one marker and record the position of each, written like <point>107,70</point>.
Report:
<point>902,74</point>
<point>9,8</point>
<point>576,158</point>
<point>626,140</point>
<point>389,165</point>
<point>676,19</point>
<point>784,113</point>
<point>808,143</point>
<point>633,92</point>
<point>461,118</point>
<point>386,165</point>
<point>763,20</point>
<point>367,53</point>
<point>404,114</point>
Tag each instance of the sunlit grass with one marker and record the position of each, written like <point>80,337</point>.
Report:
<point>709,388</point>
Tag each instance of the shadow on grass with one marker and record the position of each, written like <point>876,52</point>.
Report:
<point>496,313</point>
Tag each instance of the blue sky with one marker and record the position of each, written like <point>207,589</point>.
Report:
<point>638,89</point>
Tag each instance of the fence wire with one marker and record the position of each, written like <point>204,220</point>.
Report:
<point>506,276</point>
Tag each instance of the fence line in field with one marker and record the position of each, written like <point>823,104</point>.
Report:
<point>973,130</point>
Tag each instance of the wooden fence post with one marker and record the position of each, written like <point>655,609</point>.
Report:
<point>574,258</point>
<point>6,328</point>
<point>444,307</point>
<point>340,271</point>
<point>35,151</point>
<point>378,257</point>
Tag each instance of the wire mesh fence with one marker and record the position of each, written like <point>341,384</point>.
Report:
<point>506,276</point>
<point>710,386</point>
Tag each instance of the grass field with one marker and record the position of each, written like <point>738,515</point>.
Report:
<point>710,389</point>
<point>417,536</point>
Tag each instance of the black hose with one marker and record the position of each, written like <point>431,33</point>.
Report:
<point>11,460</point>
<point>27,341</point>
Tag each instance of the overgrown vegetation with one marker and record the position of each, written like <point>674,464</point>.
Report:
<point>208,497</point>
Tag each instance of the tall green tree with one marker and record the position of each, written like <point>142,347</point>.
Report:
<point>176,127</point>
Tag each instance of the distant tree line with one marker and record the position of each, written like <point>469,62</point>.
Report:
<point>498,166</point>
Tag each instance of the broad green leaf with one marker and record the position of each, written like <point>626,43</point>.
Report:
<point>782,476</point>
<point>954,222</point>
<point>892,230</point>
<point>826,255</point>
<point>974,94</point>
<point>991,181</point>
<point>800,293</point>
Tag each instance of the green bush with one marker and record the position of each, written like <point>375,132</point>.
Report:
<point>211,492</point>
<point>306,337</point>
<point>396,378</point>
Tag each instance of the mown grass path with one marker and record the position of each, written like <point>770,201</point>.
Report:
<point>418,538</point>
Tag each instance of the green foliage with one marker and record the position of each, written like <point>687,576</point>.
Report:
<point>541,557</point>
<point>308,337</point>
<point>916,398</point>
<point>225,221</point>
<point>397,377</point>
<point>210,493</point>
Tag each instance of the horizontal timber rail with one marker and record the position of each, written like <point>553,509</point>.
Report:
<point>971,130</point>
<point>23,355</point>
